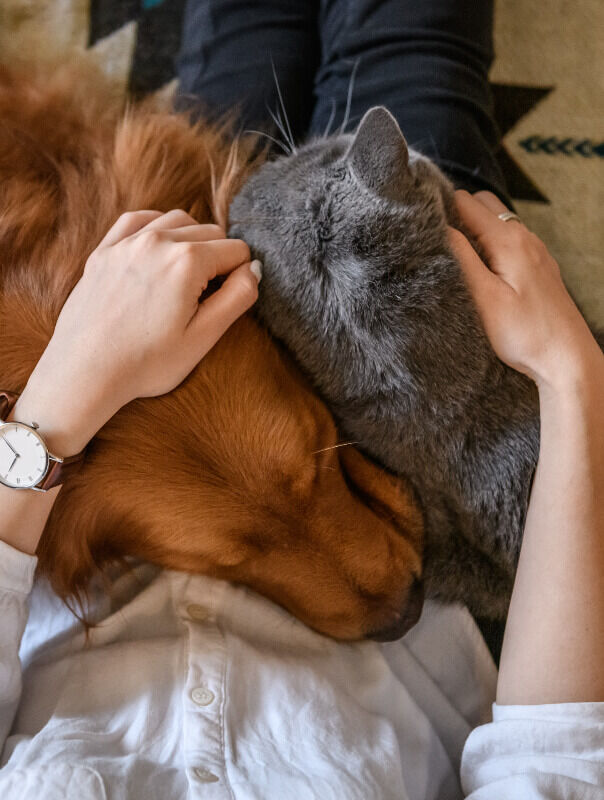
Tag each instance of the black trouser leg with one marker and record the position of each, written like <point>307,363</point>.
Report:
<point>427,61</point>
<point>228,49</point>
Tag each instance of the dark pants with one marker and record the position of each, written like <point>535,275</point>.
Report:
<point>426,60</point>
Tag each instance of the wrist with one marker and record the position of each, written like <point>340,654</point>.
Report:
<point>64,437</point>
<point>575,372</point>
<point>67,421</point>
<point>581,387</point>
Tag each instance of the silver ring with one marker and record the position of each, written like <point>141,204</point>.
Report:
<point>508,215</point>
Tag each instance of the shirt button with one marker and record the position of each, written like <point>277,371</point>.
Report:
<point>197,612</point>
<point>202,696</point>
<point>205,775</point>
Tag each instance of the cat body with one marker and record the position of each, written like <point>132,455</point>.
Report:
<point>361,285</point>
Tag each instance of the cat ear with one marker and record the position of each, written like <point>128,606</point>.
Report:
<point>378,154</point>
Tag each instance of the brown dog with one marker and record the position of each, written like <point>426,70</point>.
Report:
<point>235,473</point>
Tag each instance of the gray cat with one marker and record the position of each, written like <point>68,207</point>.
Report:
<point>361,285</point>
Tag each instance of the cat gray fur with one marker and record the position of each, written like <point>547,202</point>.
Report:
<point>361,285</point>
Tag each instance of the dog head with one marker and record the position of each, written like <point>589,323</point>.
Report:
<point>238,474</point>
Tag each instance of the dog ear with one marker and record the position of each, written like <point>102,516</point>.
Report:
<point>390,497</point>
<point>378,155</point>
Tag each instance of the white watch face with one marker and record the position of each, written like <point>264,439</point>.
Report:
<point>23,456</point>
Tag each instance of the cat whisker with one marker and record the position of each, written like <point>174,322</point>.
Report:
<point>288,138</point>
<point>349,96</point>
<point>434,145</point>
<point>289,130</point>
<point>268,136</point>
<point>266,218</point>
<point>333,447</point>
<point>332,116</point>
<point>354,119</point>
<point>417,145</point>
<point>279,123</point>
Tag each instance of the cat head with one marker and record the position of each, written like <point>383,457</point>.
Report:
<point>337,198</point>
<point>352,230</point>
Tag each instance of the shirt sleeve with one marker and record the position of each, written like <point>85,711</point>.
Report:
<point>16,580</point>
<point>536,752</point>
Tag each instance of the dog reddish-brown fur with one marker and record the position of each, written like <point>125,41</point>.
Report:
<point>233,474</point>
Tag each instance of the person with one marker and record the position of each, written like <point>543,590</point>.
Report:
<point>189,685</point>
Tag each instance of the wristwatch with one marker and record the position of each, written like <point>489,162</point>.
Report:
<point>25,461</point>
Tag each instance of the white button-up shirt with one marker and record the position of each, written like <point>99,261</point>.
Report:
<point>192,687</point>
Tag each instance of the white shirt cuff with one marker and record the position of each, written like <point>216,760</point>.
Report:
<point>16,569</point>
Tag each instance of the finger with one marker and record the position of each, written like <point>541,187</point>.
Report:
<point>216,314</point>
<point>491,201</point>
<point>177,218</point>
<point>195,233</point>
<point>218,257</point>
<point>481,282</point>
<point>477,216</point>
<point>127,225</point>
<point>498,239</point>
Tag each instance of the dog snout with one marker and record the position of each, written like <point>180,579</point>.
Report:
<point>408,618</point>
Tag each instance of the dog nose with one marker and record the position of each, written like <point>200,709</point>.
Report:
<point>411,614</point>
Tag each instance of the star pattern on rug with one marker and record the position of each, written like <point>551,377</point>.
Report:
<point>566,146</point>
<point>157,37</point>
<point>512,103</point>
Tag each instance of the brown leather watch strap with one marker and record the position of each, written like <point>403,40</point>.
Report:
<point>58,471</point>
<point>7,401</point>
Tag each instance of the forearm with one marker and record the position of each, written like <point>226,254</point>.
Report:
<point>23,516</point>
<point>554,641</point>
<point>66,430</point>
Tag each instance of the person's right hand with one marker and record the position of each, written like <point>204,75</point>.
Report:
<point>530,319</point>
<point>133,325</point>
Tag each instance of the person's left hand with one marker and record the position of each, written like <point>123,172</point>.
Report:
<point>133,325</point>
<point>528,315</point>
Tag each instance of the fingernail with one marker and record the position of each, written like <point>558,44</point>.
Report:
<point>256,269</point>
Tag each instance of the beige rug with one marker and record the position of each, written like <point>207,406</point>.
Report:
<point>557,147</point>
<point>560,44</point>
